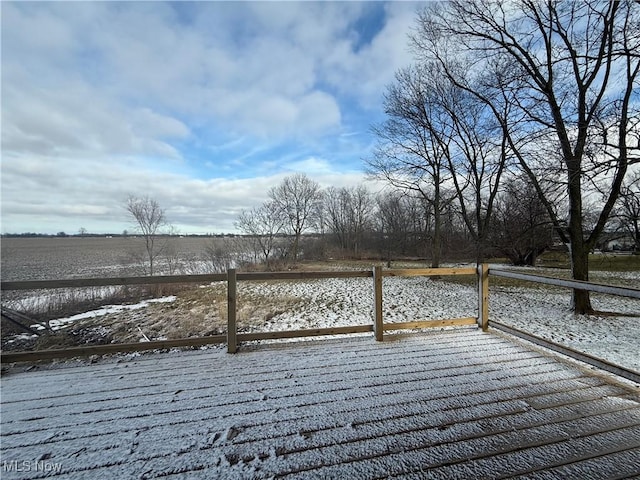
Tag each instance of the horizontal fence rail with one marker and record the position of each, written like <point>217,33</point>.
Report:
<point>172,279</point>
<point>428,272</point>
<point>90,350</point>
<point>110,281</point>
<point>454,322</point>
<point>309,332</point>
<point>307,275</point>
<point>570,352</point>
<point>574,284</point>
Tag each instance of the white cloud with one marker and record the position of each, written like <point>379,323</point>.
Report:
<point>147,122</point>
<point>318,112</point>
<point>100,99</point>
<point>311,166</point>
<point>365,73</point>
<point>94,199</point>
<point>134,54</point>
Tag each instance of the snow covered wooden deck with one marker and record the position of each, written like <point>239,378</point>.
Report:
<point>450,404</point>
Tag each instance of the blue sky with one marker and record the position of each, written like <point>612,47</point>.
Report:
<point>203,106</point>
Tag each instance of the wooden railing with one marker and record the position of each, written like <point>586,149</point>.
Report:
<point>561,282</point>
<point>378,326</point>
<point>233,337</point>
<point>573,284</point>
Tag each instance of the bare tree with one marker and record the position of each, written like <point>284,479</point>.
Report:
<point>218,256</point>
<point>348,212</point>
<point>627,213</point>
<point>263,224</point>
<point>569,71</point>
<point>521,228</point>
<point>296,200</point>
<point>403,223</point>
<point>149,218</point>
<point>443,143</point>
<point>477,155</point>
<point>412,151</point>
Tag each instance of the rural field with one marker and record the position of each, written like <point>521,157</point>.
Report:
<point>76,257</point>
<point>178,311</point>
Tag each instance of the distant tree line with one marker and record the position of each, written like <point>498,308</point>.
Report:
<point>300,219</point>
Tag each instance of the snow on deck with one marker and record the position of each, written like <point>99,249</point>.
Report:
<point>444,404</point>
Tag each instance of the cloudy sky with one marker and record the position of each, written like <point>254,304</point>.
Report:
<point>203,106</point>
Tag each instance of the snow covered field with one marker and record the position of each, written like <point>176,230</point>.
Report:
<point>539,310</point>
<point>302,304</point>
<point>547,314</point>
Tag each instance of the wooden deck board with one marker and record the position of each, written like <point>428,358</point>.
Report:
<point>458,403</point>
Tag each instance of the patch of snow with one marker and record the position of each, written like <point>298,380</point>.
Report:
<point>107,309</point>
<point>22,336</point>
<point>542,311</point>
<point>547,314</point>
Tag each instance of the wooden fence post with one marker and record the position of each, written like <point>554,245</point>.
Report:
<point>483,296</point>
<point>232,344</point>
<point>377,301</point>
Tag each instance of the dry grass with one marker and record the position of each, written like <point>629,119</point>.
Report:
<point>197,311</point>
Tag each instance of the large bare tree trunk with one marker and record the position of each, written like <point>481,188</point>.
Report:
<point>579,247</point>
<point>581,300</point>
<point>436,244</point>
